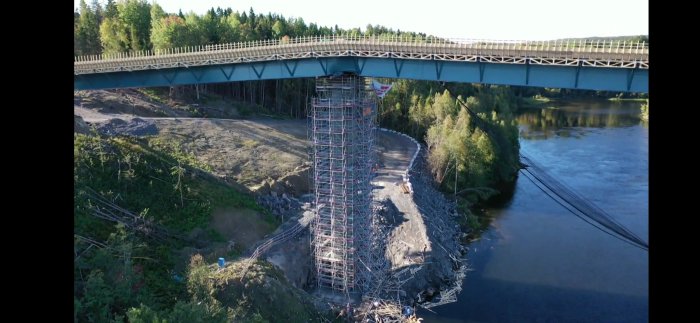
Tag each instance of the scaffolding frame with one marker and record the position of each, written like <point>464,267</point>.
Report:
<point>342,122</point>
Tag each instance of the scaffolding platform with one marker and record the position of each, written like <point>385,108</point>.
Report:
<point>342,123</point>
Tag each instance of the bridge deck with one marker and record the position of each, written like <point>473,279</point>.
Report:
<point>569,53</point>
<point>591,65</point>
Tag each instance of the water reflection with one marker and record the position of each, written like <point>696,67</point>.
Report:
<point>559,119</point>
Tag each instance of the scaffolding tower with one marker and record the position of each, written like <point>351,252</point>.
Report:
<point>341,128</point>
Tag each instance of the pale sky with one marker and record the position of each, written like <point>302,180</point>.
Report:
<point>483,19</point>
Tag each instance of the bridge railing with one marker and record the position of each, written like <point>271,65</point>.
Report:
<point>346,45</point>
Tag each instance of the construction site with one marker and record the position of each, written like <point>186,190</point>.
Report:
<point>374,239</point>
<point>363,252</point>
<point>365,233</point>
<point>341,127</point>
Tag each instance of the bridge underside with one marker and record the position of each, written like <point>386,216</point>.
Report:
<point>554,76</point>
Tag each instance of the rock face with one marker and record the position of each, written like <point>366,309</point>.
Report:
<point>134,127</point>
<point>298,182</point>
<point>80,126</point>
<point>295,183</point>
<point>283,205</point>
<point>295,260</point>
<point>294,256</point>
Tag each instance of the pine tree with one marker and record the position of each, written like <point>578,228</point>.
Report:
<point>87,37</point>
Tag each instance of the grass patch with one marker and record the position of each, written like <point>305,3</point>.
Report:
<point>155,177</point>
<point>250,143</point>
<point>264,296</point>
<point>215,236</point>
<point>162,183</point>
<point>540,98</point>
<point>616,99</point>
<point>155,94</point>
<point>534,102</point>
<point>644,115</point>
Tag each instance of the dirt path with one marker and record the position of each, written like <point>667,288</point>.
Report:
<point>409,239</point>
<point>394,152</point>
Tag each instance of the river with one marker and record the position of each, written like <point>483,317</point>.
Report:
<point>539,263</point>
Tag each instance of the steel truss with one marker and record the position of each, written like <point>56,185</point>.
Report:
<point>585,53</point>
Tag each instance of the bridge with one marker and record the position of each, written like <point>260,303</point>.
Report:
<point>589,65</point>
<point>342,115</point>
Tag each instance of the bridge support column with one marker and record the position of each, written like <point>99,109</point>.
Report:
<point>341,128</point>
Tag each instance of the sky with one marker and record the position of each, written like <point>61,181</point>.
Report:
<point>489,19</point>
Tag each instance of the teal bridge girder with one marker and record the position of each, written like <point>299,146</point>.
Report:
<point>589,65</point>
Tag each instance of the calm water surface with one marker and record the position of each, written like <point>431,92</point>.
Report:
<point>538,262</point>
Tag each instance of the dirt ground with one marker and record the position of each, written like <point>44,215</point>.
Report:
<point>412,241</point>
<point>245,151</point>
<point>242,151</point>
<point>294,257</point>
<point>126,102</point>
<point>409,239</point>
<point>243,226</point>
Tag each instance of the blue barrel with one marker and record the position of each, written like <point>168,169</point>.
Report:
<point>221,262</point>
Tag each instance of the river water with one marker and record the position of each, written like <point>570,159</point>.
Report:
<point>539,263</point>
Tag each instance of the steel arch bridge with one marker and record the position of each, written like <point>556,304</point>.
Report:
<point>589,65</point>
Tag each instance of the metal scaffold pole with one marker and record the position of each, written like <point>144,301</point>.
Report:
<point>342,123</point>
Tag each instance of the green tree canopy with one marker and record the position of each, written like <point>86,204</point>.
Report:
<point>86,33</point>
<point>136,16</point>
<point>114,36</point>
<point>170,32</point>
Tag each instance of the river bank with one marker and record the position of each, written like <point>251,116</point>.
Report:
<point>538,262</point>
